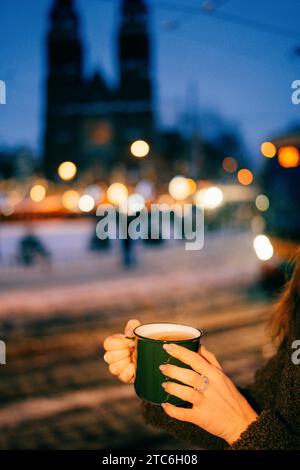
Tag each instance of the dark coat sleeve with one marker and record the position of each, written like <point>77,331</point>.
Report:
<point>278,424</point>
<point>270,431</point>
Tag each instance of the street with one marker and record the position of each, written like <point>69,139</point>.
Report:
<point>56,391</point>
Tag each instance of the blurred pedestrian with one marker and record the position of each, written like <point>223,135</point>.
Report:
<point>32,250</point>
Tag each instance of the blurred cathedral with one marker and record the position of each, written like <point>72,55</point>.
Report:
<point>87,122</point>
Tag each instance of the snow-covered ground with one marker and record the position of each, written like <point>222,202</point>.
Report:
<point>79,280</point>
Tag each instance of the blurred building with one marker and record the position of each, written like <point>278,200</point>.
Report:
<point>17,163</point>
<point>87,122</point>
<point>280,182</point>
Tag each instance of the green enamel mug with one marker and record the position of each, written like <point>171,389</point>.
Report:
<point>150,355</point>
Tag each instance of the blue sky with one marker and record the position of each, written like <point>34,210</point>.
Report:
<point>241,72</point>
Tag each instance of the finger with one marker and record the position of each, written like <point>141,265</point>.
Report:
<point>131,325</point>
<point>209,356</point>
<point>183,392</point>
<point>182,414</point>
<point>128,374</point>
<point>117,355</point>
<point>117,367</point>
<point>191,358</point>
<point>186,376</point>
<point>117,341</point>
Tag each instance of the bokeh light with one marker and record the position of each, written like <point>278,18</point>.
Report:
<point>179,188</point>
<point>136,203</point>
<point>192,185</point>
<point>67,171</point>
<point>37,193</point>
<point>268,149</point>
<point>230,164</point>
<point>288,157</point>
<point>86,203</point>
<point>209,198</point>
<point>262,202</point>
<point>116,193</point>
<point>70,199</point>
<point>263,247</point>
<point>245,177</point>
<point>140,148</point>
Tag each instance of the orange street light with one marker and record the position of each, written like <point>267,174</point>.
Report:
<point>245,177</point>
<point>288,157</point>
<point>268,149</point>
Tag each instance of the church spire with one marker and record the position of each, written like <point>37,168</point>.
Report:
<point>134,50</point>
<point>64,44</point>
<point>63,86</point>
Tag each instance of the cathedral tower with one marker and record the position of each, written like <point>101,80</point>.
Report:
<point>135,80</point>
<point>64,82</point>
<point>134,51</point>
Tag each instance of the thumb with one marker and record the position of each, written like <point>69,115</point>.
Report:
<point>131,325</point>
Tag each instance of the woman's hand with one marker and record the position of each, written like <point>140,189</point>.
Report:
<point>121,353</point>
<point>220,409</point>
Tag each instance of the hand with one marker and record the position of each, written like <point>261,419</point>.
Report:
<point>121,353</point>
<point>221,409</point>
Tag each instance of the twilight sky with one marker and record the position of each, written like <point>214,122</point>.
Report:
<point>242,73</point>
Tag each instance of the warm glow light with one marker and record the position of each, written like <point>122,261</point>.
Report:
<point>70,199</point>
<point>139,148</point>
<point>230,164</point>
<point>262,202</point>
<point>245,177</point>
<point>288,157</point>
<point>136,203</point>
<point>37,193</point>
<point>179,188</point>
<point>117,193</point>
<point>67,171</point>
<point>192,185</point>
<point>209,198</point>
<point>268,149</point>
<point>263,247</point>
<point>86,203</point>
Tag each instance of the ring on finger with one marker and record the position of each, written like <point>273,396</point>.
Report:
<point>203,385</point>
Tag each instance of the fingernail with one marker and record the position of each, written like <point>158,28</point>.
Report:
<point>168,347</point>
<point>164,384</point>
<point>105,357</point>
<point>162,367</point>
<point>163,405</point>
